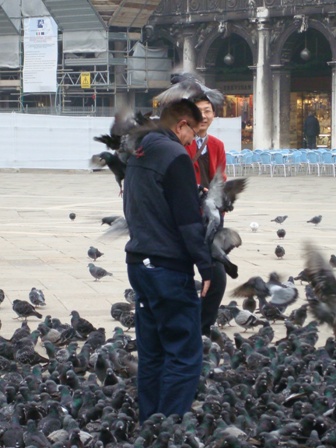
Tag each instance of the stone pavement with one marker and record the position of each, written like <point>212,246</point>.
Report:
<point>42,247</point>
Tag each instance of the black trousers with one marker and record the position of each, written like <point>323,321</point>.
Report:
<point>211,302</point>
<point>311,141</point>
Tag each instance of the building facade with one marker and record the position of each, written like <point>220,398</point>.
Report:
<point>273,59</point>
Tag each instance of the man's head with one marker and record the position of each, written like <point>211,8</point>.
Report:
<point>208,113</point>
<point>183,117</point>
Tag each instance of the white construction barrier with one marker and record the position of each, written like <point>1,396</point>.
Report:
<point>62,142</point>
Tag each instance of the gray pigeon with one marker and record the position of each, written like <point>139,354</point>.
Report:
<point>279,251</point>
<point>316,219</point>
<point>332,261</point>
<point>72,216</point>
<point>25,309</point>
<point>245,319</point>
<point>279,219</point>
<point>281,233</point>
<point>2,295</point>
<point>36,297</point>
<point>94,253</point>
<point>97,272</point>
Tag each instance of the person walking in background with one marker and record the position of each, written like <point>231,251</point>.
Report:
<point>311,130</point>
<point>208,154</point>
<point>162,210</point>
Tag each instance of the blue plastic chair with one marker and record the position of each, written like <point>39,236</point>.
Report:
<point>232,164</point>
<point>246,162</point>
<point>266,162</point>
<point>279,161</point>
<point>313,161</point>
<point>328,162</point>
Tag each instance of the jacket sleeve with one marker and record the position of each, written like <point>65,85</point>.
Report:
<point>181,193</point>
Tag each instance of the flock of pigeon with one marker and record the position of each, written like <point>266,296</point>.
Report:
<point>79,388</point>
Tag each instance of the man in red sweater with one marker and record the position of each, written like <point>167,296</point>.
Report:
<point>208,154</point>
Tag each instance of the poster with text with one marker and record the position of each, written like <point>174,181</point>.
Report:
<point>40,55</point>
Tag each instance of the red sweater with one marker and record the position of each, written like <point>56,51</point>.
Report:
<point>216,153</point>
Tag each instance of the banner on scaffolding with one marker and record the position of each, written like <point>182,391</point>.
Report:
<point>40,55</point>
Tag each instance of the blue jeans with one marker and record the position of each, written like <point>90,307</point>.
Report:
<point>168,332</point>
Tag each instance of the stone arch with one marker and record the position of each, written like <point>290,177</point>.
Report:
<point>234,29</point>
<point>279,53</point>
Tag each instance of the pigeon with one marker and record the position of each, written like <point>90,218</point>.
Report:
<point>109,219</point>
<point>254,226</point>
<point>36,297</point>
<point>94,253</point>
<point>332,261</point>
<point>2,295</point>
<point>114,163</point>
<point>281,233</point>
<point>98,272</point>
<point>81,325</point>
<point>302,276</point>
<point>25,309</point>
<point>315,220</point>
<point>299,315</point>
<point>246,319</point>
<point>279,251</point>
<point>118,227</point>
<point>186,85</point>
<point>282,294</point>
<point>72,216</point>
<point>219,199</point>
<point>130,295</point>
<point>323,283</point>
<point>224,241</point>
<point>279,219</point>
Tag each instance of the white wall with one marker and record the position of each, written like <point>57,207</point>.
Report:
<point>58,142</point>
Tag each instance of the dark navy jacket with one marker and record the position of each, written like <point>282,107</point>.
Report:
<point>161,207</point>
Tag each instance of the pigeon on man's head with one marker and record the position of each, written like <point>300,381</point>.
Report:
<point>25,309</point>
<point>279,251</point>
<point>98,272</point>
<point>279,219</point>
<point>36,297</point>
<point>94,253</point>
<point>186,85</point>
<point>281,233</point>
<point>316,219</point>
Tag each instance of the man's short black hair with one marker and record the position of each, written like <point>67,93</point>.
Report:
<point>202,97</point>
<point>180,109</point>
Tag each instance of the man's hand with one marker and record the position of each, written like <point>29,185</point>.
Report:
<point>205,289</point>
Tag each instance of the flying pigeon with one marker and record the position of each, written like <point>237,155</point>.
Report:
<point>323,283</point>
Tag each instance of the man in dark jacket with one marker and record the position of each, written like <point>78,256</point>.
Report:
<point>162,210</point>
<point>311,130</point>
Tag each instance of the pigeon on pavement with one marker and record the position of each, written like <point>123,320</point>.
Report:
<point>98,272</point>
<point>281,233</point>
<point>279,219</point>
<point>246,319</point>
<point>94,253</point>
<point>36,297</point>
<point>72,216</point>
<point>316,219</point>
<point>25,309</point>
<point>81,325</point>
<point>279,251</point>
<point>2,295</point>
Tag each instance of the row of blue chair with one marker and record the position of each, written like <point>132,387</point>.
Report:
<point>284,161</point>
